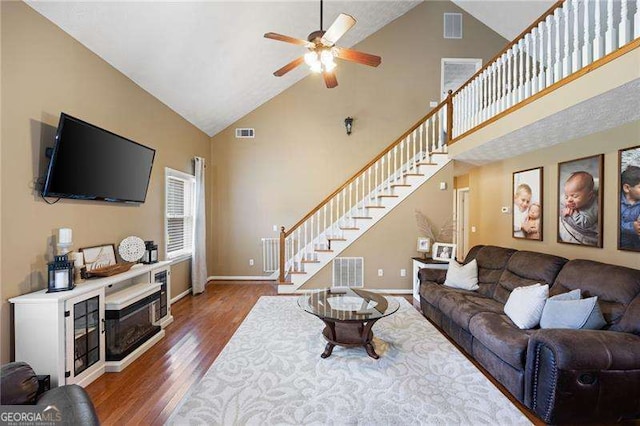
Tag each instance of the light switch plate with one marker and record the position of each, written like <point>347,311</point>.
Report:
<point>380,272</point>
<point>504,209</point>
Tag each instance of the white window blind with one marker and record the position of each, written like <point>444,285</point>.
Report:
<point>179,213</point>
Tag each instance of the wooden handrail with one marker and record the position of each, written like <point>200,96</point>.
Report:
<point>512,43</point>
<point>369,164</point>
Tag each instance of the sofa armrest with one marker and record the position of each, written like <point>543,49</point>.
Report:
<point>583,376</point>
<point>432,275</point>
<point>18,384</point>
<point>73,404</point>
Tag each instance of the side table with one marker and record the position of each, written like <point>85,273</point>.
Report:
<point>421,262</point>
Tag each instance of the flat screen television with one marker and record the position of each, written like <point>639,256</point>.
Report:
<point>90,163</point>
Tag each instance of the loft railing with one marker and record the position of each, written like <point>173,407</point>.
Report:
<point>572,37</point>
<point>338,212</point>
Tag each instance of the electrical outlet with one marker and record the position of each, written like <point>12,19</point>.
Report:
<point>251,262</point>
<point>380,272</point>
<point>473,229</point>
<point>403,272</point>
<point>275,228</point>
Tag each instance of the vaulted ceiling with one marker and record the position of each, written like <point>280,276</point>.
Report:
<point>209,62</point>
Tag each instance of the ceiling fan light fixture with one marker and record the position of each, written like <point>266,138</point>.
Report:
<point>311,58</point>
<point>316,67</point>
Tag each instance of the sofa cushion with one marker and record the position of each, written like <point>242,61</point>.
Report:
<point>615,286</point>
<point>491,263</point>
<point>567,310</point>
<point>501,336</point>
<point>527,268</point>
<point>462,305</point>
<point>525,305</point>
<point>462,276</point>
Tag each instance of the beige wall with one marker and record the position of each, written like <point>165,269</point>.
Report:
<point>391,243</point>
<point>490,188</point>
<point>45,72</point>
<point>301,152</point>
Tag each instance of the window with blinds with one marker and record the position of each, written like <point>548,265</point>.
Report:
<point>179,212</point>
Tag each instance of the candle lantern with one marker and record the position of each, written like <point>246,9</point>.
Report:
<point>150,252</point>
<point>60,274</point>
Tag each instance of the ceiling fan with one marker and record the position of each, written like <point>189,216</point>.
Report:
<point>322,50</point>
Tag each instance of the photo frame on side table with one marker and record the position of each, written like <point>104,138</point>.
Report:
<point>528,210</point>
<point>629,199</point>
<point>424,245</point>
<point>443,251</point>
<point>99,256</point>
<point>580,194</point>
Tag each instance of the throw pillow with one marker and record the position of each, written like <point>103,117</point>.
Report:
<point>462,276</point>
<point>565,312</point>
<point>525,304</point>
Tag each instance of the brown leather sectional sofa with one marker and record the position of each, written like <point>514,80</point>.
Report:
<point>563,376</point>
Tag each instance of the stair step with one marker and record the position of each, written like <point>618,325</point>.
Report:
<point>297,272</point>
<point>337,239</point>
<point>388,196</point>
<point>427,164</point>
<point>324,250</point>
<point>374,207</point>
<point>310,261</point>
<point>349,229</point>
<point>438,153</point>
<point>398,185</point>
<point>361,217</point>
<point>413,174</point>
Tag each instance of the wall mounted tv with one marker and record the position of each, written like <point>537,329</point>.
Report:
<point>90,163</point>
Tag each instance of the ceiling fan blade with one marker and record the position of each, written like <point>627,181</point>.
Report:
<point>341,25</point>
<point>291,65</point>
<point>359,57</point>
<point>330,79</point>
<point>287,39</point>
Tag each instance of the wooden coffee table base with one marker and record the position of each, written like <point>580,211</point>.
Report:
<point>349,334</point>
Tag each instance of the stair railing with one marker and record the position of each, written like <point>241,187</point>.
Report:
<point>363,191</point>
<point>567,38</point>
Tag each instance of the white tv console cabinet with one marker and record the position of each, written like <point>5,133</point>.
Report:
<point>62,334</point>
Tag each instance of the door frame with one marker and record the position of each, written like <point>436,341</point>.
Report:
<point>477,61</point>
<point>459,208</point>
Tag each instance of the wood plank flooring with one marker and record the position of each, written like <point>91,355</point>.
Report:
<point>148,390</point>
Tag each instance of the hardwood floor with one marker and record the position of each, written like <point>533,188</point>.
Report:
<point>149,389</point>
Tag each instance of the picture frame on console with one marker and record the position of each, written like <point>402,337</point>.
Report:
<point>580,195</point>
<point>528,211</point>
<point>443,251</point>
<point>424,245</point>
<point>629,199</point>
<point>99,256</point>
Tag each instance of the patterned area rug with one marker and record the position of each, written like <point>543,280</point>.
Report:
<point>271,372</point>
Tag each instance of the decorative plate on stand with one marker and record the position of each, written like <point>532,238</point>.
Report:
<point>131,249</point>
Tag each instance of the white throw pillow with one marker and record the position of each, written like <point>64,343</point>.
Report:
<point>525,304</point>
<point>462,276</point>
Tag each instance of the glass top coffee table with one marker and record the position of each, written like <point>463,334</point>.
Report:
<point>348,315</point>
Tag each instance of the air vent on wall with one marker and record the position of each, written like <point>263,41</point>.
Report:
<point>244,133</point>
<point>453,25</point>
<point>348,272</point>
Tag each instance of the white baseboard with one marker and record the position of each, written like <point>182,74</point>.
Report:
<point>181,295</point>
<point>240,278</point>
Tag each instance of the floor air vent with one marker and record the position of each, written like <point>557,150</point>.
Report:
<point>244,133</point>
<point>348,272</point>
<point>453,25</point>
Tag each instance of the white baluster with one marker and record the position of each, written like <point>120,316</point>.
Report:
<point>431,144</point>
<point>598,40</point>
<point>369,191</point>
<point>407,141</point>
<point>325,221</point>
<point>528,79</point>
<point>317,232</point>
<point>422,142</point>
<point>297,267</point>
<point>624,31</point>
<point>636,21</point>
<point>494,87</point>
<point>549,51</point>
<point>375,173</point>
<point>331,221</point>
<point>610,37</point>
<point>395,162</point>
<point>509,62</point>
<point>500,81</point>
<point>566,57</point>
<point>576,56</point>
<point>350,197</point>
<point>535,66</point>
<point>557,66</point>
<point>542,74</point>
<point>485,97</point>
<point>587,54</point>
<point>304,249</point>
<point>521,54</point>
<point>472,111</point>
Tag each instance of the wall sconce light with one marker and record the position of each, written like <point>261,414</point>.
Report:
<point>348,124</point>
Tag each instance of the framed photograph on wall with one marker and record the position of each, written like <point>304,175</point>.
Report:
<point>580,192</point>
<point>527,204</point>
<point>99,256</point>
<point>629,201</point>
<point>443,251</point>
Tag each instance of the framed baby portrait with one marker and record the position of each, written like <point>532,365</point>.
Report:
<point>580,191</point>
<point>526,216</point>
<point>629,199</point>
